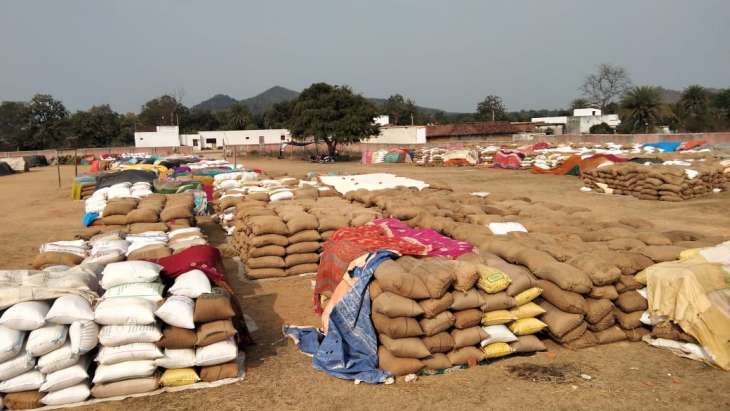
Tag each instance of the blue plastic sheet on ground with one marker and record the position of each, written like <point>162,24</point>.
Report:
<point>665,145</point>
<point>350,348</point>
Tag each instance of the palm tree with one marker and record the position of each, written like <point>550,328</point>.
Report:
<point>237,117</point>
<point>695,100</point>
<point>644,107</point>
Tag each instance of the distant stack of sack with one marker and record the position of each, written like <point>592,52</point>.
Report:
<point>429,314</point>
<point>658,182</point>
<point>42,352</point>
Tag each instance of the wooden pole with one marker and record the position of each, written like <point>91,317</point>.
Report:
<point>58,168</point>
<point>76,163</point>
<point>235,157</point>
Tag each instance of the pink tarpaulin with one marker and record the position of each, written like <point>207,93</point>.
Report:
<point>438,244</point>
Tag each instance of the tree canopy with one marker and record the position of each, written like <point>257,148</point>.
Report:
<point>400,110</point>
<point>161,111</point>
<point>333,114</point>
<point>492,108</point>
<point>236,117</point>
<point>607,84</point>
<point>14,125</point>
<point>643,105</point>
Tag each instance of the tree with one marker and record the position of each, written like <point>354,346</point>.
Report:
<point>199,120</point>
<point>127,123</point>
<point>492,108</point>
<point>401,111</point>
<point>47,121</point>
<point>693,109</point>
<point>165,110</point>
<point>236,117</point>
<point>643,106</point>
<point>606,84</point>
<point>14,124</point>
<point>333,114</point>
<point>96,127</point>
<point>602,128</point>
<point>721,103</point>
<point>580,103</point>
<point>278,115</point>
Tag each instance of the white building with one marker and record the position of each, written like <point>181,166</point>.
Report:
<point>382,120</point>
<point>580,122</point>
<point>164,136</point>
<point>399,135</point>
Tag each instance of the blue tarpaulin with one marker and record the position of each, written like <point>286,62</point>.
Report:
<point>665,145</point>
<point>349,350</point>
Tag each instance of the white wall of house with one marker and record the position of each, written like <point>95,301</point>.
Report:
<point>164,136</point>
<point>399,135</point>
<point>218,139</point>
<point>583,124</point>
<point>383,120</point>
<point>584,112</point>
<point>550,120</point>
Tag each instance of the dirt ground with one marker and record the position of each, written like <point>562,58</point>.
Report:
<point>617,376</point>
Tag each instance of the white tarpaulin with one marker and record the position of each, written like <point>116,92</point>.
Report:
<point>372,182</point>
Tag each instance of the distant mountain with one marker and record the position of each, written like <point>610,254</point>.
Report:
<point>670,96</point>
<point>218,102</point>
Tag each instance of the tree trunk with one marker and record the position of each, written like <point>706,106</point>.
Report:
<point>331,147</point>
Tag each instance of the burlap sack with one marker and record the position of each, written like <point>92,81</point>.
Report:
<point>527,343</point>
<point>302,222</point>
<point>333,222</point>
<point>267,250</point>
<point>671,331</point>
<point>260,273</point>
<point>465,355</point>
<point>393,278</point>
<point>400,327</point>
<point>119,207</point>
<point>566,277</point>
<point>173,213</point>
<point>662,253</point>
<point>473,298</point>
<point>405,347</point>
<point>559,322</point>
<point>436,362</point>
<point>628,321</point>
<point>375,289</point>
<point>628,283</point>
<point>465,275</point>
<point>50,258</point>
<point>214,331</point>
<point>23,400</point>
<point>176,338</point>
<point>124,387</point>
<point>607,291</point>
<point>116,219</point>
<point>408,262</point>
<point>441,342</point>
<point>467,318</point>
<point>468,336</point>
<point>601,272</point>
<point>631,301</point>
<point>296,259</point>
<point>261,225</point>
<point>624,244</point>
<point>472,258</point>
<point>597,309</point>
<point>393,305</point>
<point>588,339</point>
<point>498,301</point>
<point>435,275</point>
<point>219,372</point>
<point>654,238</point>
<point>213,307</point>
<point>565,300</point>
<point>150,252</point>
<point>636,334</point>
<point>434,306</point>
<point>305,236</point>
<point>397,366</point>
<point>265,262</point>
<point>441,322</point>
<point>302,269</point>
<point>534,259</point>
<point>571,335</point>
<point>610,335</point>
<point>268,239</point>
<point>607,321</point>
<point>303,247</point>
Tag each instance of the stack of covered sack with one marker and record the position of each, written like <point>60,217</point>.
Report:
<point>198,332</point>
<point>126,312</point>
<point>429,313</point>
<point>60,253</point>
<point>42,351</point>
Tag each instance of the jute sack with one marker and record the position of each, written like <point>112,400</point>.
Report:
<point>401,327</point>
<point>465,275</point>
<point>628,321</point>
<point>260,273</point>
<point>114,219</point>
<point>559,322</point>
<point>624,244</point>
<point>333,222</point>
<point>527,343</point>
<point>302,269</point>
<point>631,301</point>
<point>442,342</point>
<point>393,305</point>
<point>465,355</point>
<point>268,239</point>
<point>573,334</point>
<point>213,306</point>
<point>23,400</point>
<point>267,250</point>
<point>628,283</point>
<point>600,271</point>
<point>636,334</point>
<point>467,318</point>
<point>302,222</point>
<point>435,275</point>
<point>533,259</point>
<point>218,372</point>
<point>305,236</point>
<point>405,347</point>
<point>176,338</point>
<point>435,325</point>
<point>566,277</point>
<point>654,238</point>
<point>138,228</point>
<point>265,262</point>
<point>607,291</point>
<point>565,300</point>
<point>662,253</point>
<point>588,339</point>
<point>434,306</point>
<point>120,206</point>
<point>607,321</point>
<point>468,336</point>
<point>214,331</point>
<point>150,252</point>
<point>303,247</point>
<point>50,258</point>
<point>175,212</point>
<point>125,387</point>
<point>393,278</point>
<point>610,335</point>
<point>142,215</point>
<point>296,259</point>
<point>375,289</point>
<point>397,366</point>
<point>473,298</point>
<point>597,309</point>
<point>261,225</point>
<point>437,361</point>
<point>498,301</point>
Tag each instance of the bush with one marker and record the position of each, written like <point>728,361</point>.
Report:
<point>602,128</point>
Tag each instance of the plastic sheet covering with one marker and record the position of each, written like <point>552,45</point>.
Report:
<point>27,285</point>
<point>131,176</point>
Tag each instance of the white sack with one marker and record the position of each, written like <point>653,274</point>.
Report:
<point>25,316</point>
<point>191,284</point>
<point>129,272</point>
<point>70,395</point>
<point>46,339</point>
<point>124,371</point>
<point>129,352</point>
<point>84,336</point>
<point>177,311</point>
<point>125,311</point>
<point>116,335</point>
<point>216,353</point>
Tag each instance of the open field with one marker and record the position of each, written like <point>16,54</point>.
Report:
<point>623,375</point>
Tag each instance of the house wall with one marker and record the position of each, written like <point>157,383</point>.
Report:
<point>218,139</point>
<point>165,136</point>
<point>399,135</point>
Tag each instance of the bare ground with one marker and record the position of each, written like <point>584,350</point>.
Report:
<point>622,375</point>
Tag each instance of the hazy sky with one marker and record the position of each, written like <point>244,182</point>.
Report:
<point>444,54</point>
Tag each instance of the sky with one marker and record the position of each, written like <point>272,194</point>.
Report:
<point>443,54</point>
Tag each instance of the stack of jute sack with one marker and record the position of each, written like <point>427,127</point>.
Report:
<point>429,313</point>
<point>153,212</point>
<point>658,182</point>
<point>43,351</point>
<point>60,253</point>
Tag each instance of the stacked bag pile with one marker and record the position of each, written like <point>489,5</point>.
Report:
<point>658,182</point>
<point>60,253</point>
<point>429,313</point>
<point>44,348</point>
